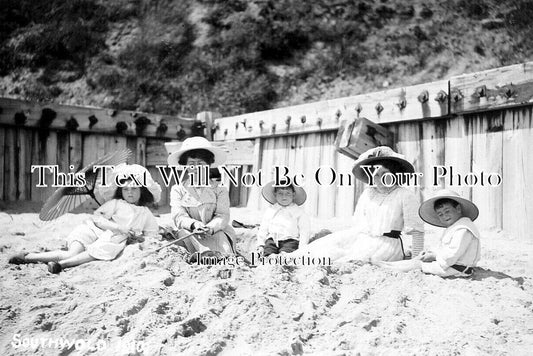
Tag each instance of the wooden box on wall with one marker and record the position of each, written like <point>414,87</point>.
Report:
<point>359,135</point>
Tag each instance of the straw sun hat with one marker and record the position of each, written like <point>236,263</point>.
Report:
<point>379,154</point>
<point>268,193</point>
<point>127,170</point>
<point>177,149</point>
<point>428,214</point>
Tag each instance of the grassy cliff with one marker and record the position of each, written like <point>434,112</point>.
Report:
<point>181,57</point>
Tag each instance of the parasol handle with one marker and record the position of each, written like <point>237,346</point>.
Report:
<point>171,243</point>
<point>91,194</point>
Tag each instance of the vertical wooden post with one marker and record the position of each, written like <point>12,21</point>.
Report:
<point>326,204</point>
<point>432,137</point>
<point>37,157</point>
<point>24,147</point>
<point>244,191</point>
<point>2,144</point>
<point>137,146</point>
<point>487,155</point>
<point>10,182</point>
<point>257,155</point>
<point>409,144</point>
<point>140,152</point>
<point>517,170</point>
<point>100,146</point>
<point>19,166</point>
<point>75,150</point>
<point>458,151</point>
<point>50,159</point>
<point>208,117</point>
<point>131,144</point>
<point>63,151</point>
<point>89,148</point>
<point>235,191</point>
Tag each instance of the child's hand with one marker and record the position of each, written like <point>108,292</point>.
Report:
<point>204,232</point>
<point>202,229</point>
<point>134,236</point>
<point>427,256</point>
<point>106,224</point>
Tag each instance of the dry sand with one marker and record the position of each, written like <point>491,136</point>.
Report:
<point>167,307</point>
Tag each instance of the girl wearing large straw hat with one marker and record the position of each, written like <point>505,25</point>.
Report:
<point>103,236</point>
<point>202,209</point>
<point>383,214</point>
<point>459,249</point>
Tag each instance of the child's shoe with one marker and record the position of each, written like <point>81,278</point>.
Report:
<point>18,259</point>
<point>54,267</point>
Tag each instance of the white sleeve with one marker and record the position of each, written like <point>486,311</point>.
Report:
<point>151,228</point>
<point>359,220</point>
<point>451,252</point>
<point>107,210</point>
<point>263,228</point>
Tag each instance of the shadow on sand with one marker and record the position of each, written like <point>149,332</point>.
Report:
<point>482,273</point>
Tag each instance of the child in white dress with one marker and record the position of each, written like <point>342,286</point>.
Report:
<point>104,235</point>
<point>285,225</point>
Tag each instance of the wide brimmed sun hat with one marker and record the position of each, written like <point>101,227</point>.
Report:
<point>381,153</point>
<point>268,193</point>
<point>127,170</point>
<point>428,214</point>
<point>176,149</point>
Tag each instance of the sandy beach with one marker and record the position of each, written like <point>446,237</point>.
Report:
<point>160,305</point>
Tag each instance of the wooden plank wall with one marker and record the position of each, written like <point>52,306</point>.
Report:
<point>494,142</point>
<point>498,88</point>
<point>303,154</point>
<point>20,148</point>
<point>32,141</point>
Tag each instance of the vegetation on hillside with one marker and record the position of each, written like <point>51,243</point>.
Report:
<point>235,56</point>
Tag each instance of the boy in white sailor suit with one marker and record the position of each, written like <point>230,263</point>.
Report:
<point>285,225</point>
<point>459,249</point>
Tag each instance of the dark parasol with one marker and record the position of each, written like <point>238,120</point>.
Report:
<point>66,199</point>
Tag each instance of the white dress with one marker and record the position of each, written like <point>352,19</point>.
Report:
<point>376,213</point>
<point>106,245</point>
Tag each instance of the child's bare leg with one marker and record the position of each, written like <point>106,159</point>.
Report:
<point>402,266</point>
<point>55,256</point>
<point>77,260</point>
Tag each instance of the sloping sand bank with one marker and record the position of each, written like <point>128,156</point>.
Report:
<point>163,306</point>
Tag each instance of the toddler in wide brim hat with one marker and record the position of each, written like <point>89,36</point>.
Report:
<point>460,248</point>
<point>285,225</point>
<point>428,213</point>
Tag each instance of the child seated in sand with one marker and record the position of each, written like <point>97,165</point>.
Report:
<point>460,247</point>
<point>104,235</point>
<point>285,226</point>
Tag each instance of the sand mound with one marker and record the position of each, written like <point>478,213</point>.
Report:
<point>159,305</point>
